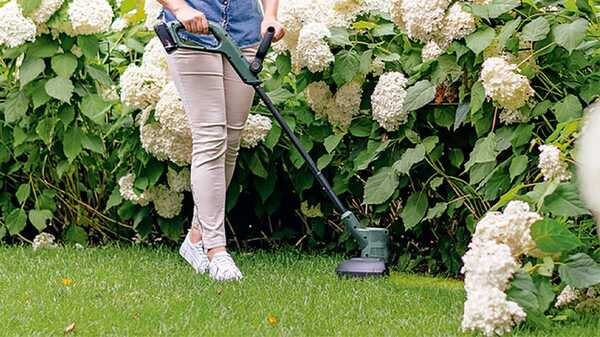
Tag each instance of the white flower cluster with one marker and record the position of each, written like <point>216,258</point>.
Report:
<point>155,54</point>
<point>169,110</point>
<point>90,16</point>
<point>167,202</point>
<point>504,84</point>
<point>499,240</point>
<point>152,9</point>
<point>566,296</point>
<point>255,131</point>
<point>388,101</point>
<point>487,310</point>
<point>141,85</point>
<point>15,29</point>
<point>377,66</point>
<point>128,193</point>
<point>165,144</point>
<point>588,160</point>
<point>551,165</point>
<point>308,24</point>
<point>436,23</point>
<point>339,108</point>
<point>179,181</point>
<point>44,240</point>
<point>45,10</point>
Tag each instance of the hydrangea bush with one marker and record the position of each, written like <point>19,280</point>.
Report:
<point>455,124</point>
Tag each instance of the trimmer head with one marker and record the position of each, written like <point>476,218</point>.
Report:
<point>362,267</point>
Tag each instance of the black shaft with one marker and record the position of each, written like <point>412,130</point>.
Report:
<point>311,164</point>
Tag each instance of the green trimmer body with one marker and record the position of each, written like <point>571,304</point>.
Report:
<point>373,242</point>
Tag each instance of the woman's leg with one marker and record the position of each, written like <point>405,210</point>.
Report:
<point>199,80</point>
<point>238,101</point>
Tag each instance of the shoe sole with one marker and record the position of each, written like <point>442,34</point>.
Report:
<point>187,254</point>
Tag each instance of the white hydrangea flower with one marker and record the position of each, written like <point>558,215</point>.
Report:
<point>45,10</point>
<point>487,310</point>
<point>165,144</point>
<point>431,51</point>
<point>170,112</point>
<point>457,23</point>
<point>338,118</point>
<point>15,29</point>
<point>377,66</point>
<point>179,181</point>
<point>255,131</point>
<point>155,54</point>
<point>388,101</point>
<point>119,24</point>
<point>167,202</point>
<point>312,50</point>
<point>421,20</point>
<point>551,165</point>
<point>348,97</point>
<point>489,264</point>
<point>90,16</point>
<point>318,96</point>
<point>381,6</point>
<point>152,9</point>
<point>141,85</point>
<point>512,227</point>
<point>504,84</point>
<point>566,296</point>
<point>588,160</point>
<point>43,240</point>
<point>512,116</point>
<point>127,191</point>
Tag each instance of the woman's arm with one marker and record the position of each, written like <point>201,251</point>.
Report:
<point>192,19</point>
<point>270,8</point>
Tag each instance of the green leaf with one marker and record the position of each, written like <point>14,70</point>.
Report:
<point>481,39</point>
<point>565,201</point>
<point>552,236</point>
<point>64,65</point>
<point>383,29</point>
<point>115,199</point>
<point>507,32</point>
<point>518,165</point>
<point>284,64</point>
<point>536,30</point>
<point>436,211</point>
<point>361,127</point>
<point>257,167</point>
<point>72,143</point>
<point>93,143</point>
<point>45,129</point>
<point>39,218</point>
<point>345,67</point>
<point>568,109</point>
<point>580,271</point>
<point>99,73</point>
<point>60,88</point>
<point>15,107</point>
<point>324,161</point>
<point>39,96</point>
<point>380,186</point>
<point>419,95</point>
<point>30,70</point>
<point>339,37</point>
<point>75,234</point>
<point>89,45</point>
<point>370,154</point>
<point>570,35</point>
<point>415,209</point>
<point>16,221</point>
<point>95,108</point>
<point>483,152</point>
<point>461,114</point>
<point>494,9</point>
<point>23,193</point>
<point>44,46</point>
<point>28,6</point>
<point>332,142</point>
<point>409,158</point>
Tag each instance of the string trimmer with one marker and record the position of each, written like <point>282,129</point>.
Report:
<point>373,242</point>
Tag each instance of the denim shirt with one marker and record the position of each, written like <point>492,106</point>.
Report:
<point>241,19</point>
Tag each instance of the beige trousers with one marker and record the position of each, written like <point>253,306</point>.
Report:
<point>217,103</point>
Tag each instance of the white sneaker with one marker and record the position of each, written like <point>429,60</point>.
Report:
<point>222,268</point>
<point>194,254</point>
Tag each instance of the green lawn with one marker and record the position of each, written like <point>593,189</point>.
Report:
<point>152,292</point>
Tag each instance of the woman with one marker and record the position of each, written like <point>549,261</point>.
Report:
<point>217,104</point>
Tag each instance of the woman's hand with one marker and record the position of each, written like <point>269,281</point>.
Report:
<point>271,22</point>
<point>192,19</point>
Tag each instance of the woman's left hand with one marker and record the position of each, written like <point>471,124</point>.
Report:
<point>270,22</point>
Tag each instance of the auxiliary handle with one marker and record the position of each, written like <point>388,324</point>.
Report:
<point>257,65</point>
<point>168,33</point>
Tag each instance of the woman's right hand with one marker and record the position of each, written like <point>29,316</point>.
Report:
<point>192,19</point>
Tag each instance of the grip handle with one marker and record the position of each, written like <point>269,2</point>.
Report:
<point>257,64</point>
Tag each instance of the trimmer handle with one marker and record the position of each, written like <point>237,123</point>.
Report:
<point>257,65</point>
<point>168,33</point>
